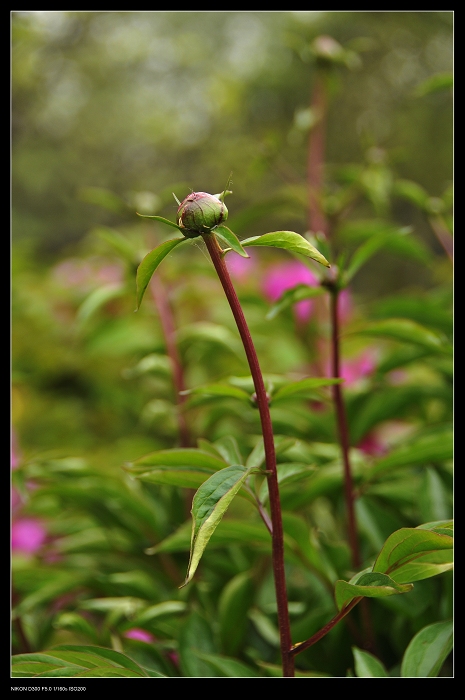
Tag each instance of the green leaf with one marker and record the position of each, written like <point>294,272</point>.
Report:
<point>367,665</point>
<point>104,198</point>
<point>117,242</point>
<point>288,240</point>
<point>413,554</point>
<point>370,585</point>
<point>196,636</point>
<point>168,607</point>
<point>427,651</point>
<point>437,82</point>
<point>150,263</point>
<point>184,467</point>
<point>234,603</point>
<point>294,295</point>
<point>288,473</point>
<point>96,299</point>
<point>404,330</point>
<point>208,507</point>
<point>160,218</point>
<point>224,391</point>
<point>436,447</point>
<point>230,239</point>
<point>76,661</point>
<point>229,449</point>
<point>227,667</point>
<point>303,388</point>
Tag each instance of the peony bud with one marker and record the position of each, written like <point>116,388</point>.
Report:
<point>199,213</point>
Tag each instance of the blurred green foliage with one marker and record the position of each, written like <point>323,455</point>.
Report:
<point>112,112</point>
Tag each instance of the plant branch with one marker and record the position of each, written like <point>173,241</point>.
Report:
<point>297,648</point>
<point>270,455</point>
<point>165,313</point>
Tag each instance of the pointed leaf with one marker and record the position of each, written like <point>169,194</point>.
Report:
<point>208,507</point>
<point>184,467</point>
<point>96,299</point>
<point>367,665</point>
<point>304,388</point>
<point>370,585</point>
<point>405,330</point>
<point>160,218</point>
<point>150,263</point>
<point>413,554</point>
<point>288,240</point>
<point>231,239</point>
<point>228,667</point>
<point>427,651</point>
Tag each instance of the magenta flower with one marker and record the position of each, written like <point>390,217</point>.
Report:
<point>355,369</point>
<point>372,445</point>
<point>280,278</point>
<point>345,306</point>
<point>139,634</point>
<point>27,535</point>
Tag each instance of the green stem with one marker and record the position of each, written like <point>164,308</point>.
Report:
<point>216,254</point>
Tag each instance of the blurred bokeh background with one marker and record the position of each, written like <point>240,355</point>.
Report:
<point>112,112</point>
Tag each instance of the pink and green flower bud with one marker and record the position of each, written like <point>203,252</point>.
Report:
<point>199,213</point>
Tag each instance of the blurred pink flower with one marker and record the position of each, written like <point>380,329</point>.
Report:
<point>240,268</point>
<point>280,278</point>
<point>139,634</point>
<point>372,445</point>
<point>16,499</point>
<point>87,274</point>
<point>27,535</point>
<point>356,368</point>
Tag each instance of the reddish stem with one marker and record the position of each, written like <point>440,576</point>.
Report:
<point>343,431</point>
<point>165,313</point>
<point>216,254</point>
<point>317,221</point>
<point>324,630</point>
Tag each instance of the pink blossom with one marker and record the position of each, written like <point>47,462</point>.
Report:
<point>356,368</point>
<point>27,535</point>
<point>284,276</point>
<point>372,445</point>
<point>240,268</point>
<point>139,634</point>
<point>87,274</point>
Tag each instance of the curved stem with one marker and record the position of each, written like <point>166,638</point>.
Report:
<point>270,455</point>
<point>324,630</point>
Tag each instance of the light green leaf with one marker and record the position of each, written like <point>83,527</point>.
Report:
<point>288,240</point>
<point>288,473</point>
<point>303,388</point>
<point>208,507</point>
<point>117,241</point>
<point>229,449</point>
<point>168,607</point>
<point>227,667</point>
<point>427,651</point>
<point>225,391</point>
<point>96,299</point>
<point>76,661</point>
<point>436,447</point>
<point>413,554</point>
<point>184,467</point>
<point>150,263</point>
<point>294,295</point>
<point>435,83</point>
<point>370,585</point>
<point>160,218</point>
<point>406,331</point>
<point>230,239</point>
<point>367,665</point>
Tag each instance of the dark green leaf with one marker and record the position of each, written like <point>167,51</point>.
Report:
<point>227,667</point>
<point>234,603</point>
<point>406,331</point>
<point>150,263</point>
